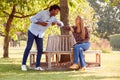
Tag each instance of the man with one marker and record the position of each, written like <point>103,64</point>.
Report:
<point>39,23</point>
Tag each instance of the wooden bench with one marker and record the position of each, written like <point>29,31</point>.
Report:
<point>61,44</point>
<point>56,45</point>
<point>97,54</point>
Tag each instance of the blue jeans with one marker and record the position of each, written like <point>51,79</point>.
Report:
<point>78,53</point>
<point>39,43</point>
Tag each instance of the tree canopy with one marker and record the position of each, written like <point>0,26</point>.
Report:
<point>108,15</point>
<point>12,9</point>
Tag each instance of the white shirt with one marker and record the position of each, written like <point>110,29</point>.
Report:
<point>43,16</point>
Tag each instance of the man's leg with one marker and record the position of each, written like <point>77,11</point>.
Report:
<point>28,47</point>
<point>39,44</point>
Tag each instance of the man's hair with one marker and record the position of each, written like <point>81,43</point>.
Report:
<point>54,7</point>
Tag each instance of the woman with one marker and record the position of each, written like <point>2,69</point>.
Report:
<point>82,37</point>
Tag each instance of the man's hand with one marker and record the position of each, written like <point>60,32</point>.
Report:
<point>42,23</point>
<point>58,24</point>
<point>54,23</point>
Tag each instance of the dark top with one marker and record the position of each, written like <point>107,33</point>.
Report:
<point>78,38</point>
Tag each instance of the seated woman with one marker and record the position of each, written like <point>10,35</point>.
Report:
<point>81,35</point>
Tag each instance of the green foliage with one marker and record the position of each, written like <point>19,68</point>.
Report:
<point>115,41</point>
<point>115,2</point>
<point>23,8</point>
<point>108,17</point>
<point>52,30</point>
<point>93,38</point>
<point>26,7</point>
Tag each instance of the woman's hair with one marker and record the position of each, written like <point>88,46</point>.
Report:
<point>81,25</point>
<point>54,7</point>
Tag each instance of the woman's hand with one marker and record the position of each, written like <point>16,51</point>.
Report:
<point>68,28</point>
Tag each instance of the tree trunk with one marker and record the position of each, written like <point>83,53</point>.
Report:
<point>64,12</point>
<point>7,32</point>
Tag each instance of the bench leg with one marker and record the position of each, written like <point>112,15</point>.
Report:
<point>46,58</point>
<point>49,60</point>
<point>98,60</point>
<point>34,58</point>
<point>57,58</point>
<point>31,60</point>
<point>71,57</point>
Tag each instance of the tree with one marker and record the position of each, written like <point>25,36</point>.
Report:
<point>108,15</point>
<point>64,17</point>
<point>64,13</point>
<point>19,9</point>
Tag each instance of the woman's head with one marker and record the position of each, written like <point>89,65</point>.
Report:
<point>80,26</point>
<point>79,21</point>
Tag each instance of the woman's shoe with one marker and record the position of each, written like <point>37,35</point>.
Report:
<point>74,66</point>
<point>82,69</point>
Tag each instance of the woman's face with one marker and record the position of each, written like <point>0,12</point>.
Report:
<point>77,21</point>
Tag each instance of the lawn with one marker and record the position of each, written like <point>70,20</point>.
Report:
<point>10,69</point>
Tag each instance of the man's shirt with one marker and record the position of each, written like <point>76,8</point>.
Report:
<point>43,16</point>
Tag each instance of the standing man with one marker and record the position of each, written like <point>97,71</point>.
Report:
<point>39,23</point>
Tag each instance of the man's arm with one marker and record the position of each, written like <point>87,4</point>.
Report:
<point>42,23</point>
<point>36,19</point>
<point>57,22</point>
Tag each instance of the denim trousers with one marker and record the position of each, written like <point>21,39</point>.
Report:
<point>78,53</point>
<point>39,45</point>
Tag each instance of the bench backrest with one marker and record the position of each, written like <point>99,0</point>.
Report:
<point>60,43</point>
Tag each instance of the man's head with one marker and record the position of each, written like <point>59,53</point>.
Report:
<point>54,9</point>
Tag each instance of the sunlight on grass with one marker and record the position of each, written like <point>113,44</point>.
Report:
<point>10,69</point>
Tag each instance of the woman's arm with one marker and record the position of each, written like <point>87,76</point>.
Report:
<point>71,29</point>
<point>68,28</point>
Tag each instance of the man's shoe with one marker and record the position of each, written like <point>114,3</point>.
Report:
<point>74,66</point>
<point>23,68</point>
<point>39,69</point>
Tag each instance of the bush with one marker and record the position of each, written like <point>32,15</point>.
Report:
<point>101,44</point>
<point>115,41</point>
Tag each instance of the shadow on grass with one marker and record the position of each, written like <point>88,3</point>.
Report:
<point>11,70</point>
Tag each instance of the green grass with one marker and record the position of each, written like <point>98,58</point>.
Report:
<point>10,69</point>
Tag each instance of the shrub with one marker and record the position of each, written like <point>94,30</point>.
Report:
<point>115,41</point>
<point>101,44</point>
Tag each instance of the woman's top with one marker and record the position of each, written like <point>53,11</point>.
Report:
<point>77,35</point>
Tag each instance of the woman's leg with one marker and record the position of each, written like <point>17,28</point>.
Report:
<point>28,47</point>
<point>39,43</point>
<point>76,54</point>
<point>82,47</point>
